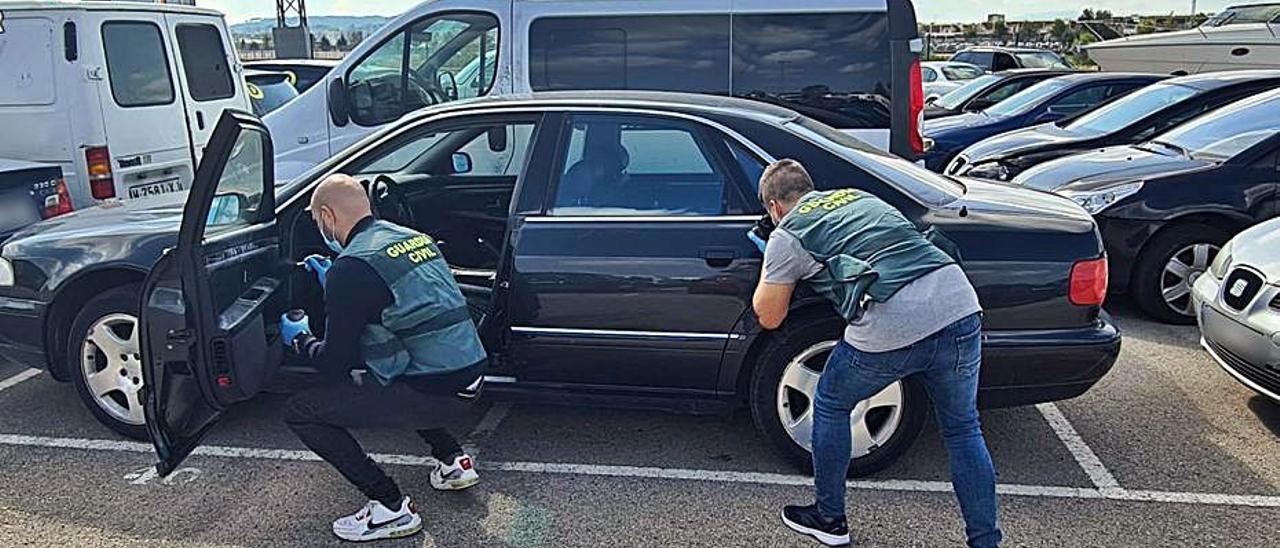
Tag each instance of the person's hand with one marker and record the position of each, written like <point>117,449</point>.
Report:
<point>320,265</point>
<point>756,239</point>
<point>291,329</point>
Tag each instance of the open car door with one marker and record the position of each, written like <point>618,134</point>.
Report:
<point>208,338</point>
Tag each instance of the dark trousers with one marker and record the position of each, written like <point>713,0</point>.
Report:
<point>321,416</point>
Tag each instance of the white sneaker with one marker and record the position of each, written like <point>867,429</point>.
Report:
<point>376,521</point>
<point>455,476</point>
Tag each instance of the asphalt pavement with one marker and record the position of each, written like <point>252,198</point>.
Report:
<point>1166,452</point>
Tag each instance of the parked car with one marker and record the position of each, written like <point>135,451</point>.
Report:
<point>985,91</point>
<point>302,73</point>
<point>96,87</point>
<point>1136,117</point>
<point>268,90</point>
<point>583,293</point>
<point>30,192</point>
<point>849,63</point>
<point>1048,101</point>
<point>1239,37</point>
<point>997,58</point>
<point>1237,304</point>
<point>942,77</point>
<point>1166,206</point>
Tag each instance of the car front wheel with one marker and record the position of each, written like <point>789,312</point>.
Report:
<point>882,427</point>
<point>1168,268</point>
<point>105,360</point>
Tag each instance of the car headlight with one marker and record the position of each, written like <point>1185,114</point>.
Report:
<point>1095,201</point>
<point>996,171</point>
<point>1218,268</point>
<point>6,273</point>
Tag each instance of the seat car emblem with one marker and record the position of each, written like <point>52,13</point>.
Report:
<point>1237,289</point>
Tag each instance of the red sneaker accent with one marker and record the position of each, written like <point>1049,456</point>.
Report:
<point>465,463</point>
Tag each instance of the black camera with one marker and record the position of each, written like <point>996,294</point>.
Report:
<point>764,227</point>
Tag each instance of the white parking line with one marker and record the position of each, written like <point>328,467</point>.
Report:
<point>1088,460</point>
<point>677,474</point>
<point>16,379</point>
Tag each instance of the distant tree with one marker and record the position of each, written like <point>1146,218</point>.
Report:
<point>1102,14</point>
<point>357,36</point>
<point>325,44</point>
<point>1146,27</point>
<point>1087,15</point>
<point>1000,30</point>
<point>970,33</point>
<point>342,44</point>
<point>266,41</point>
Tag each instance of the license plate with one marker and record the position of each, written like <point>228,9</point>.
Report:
<point>155,189</point>
<point>17,210</point>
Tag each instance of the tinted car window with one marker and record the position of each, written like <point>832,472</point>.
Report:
<point>1081,99</point>
<point>980,58</point>
<point>1022,102</point>
<point>1006,90</point>
<point>963,93</point>
<point>1230,130</point>
<point>670,53</point>
<point>1131,108</point>
<point>204,62</point>
<point>269,92</point>
<point>1004,61</point>
<point>833,67</point>
<point>136,64</point>
<point>238,200</point>
<point>616,166</point>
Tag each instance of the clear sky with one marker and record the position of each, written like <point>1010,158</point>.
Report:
<point>927,10</point>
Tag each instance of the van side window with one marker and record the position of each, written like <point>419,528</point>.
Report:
<point>830,66</point>
<point>667,53</point>
<point>137,64</point>
<point>204,62</point>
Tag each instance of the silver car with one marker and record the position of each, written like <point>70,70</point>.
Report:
<point>1237,303</point>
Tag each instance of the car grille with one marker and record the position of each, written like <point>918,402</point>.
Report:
<point>1241,287</point>
<point>1265,376</point>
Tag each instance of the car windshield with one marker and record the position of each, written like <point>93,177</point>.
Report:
<point>962,94</point>
<point>1131,108</point>
<point>961,72</point>
<point>1042,59</point>
<point>924,186</point>
<point>1028,99</point>
<point>1227,131</point>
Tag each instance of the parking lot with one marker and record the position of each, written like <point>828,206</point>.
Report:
<point>1166,451</point>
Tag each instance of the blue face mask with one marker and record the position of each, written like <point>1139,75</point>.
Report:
<point>332,243</point>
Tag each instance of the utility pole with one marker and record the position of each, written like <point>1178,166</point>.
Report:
<point>292,42</point>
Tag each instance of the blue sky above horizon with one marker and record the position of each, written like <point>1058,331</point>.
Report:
<point>926,10</point>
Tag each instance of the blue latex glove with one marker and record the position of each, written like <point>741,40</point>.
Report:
<point>290,329</point>
<point>320,265</point>
<point>760,243</point>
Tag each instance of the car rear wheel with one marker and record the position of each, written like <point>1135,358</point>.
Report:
<point>883,427</point>
<point>1168,268</point>
<point>105,360</point>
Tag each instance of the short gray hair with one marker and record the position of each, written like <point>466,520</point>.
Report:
<point>784,181</point>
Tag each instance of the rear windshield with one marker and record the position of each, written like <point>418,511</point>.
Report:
<point>204,62</point>
<point>831,66</point>
<point>1130,109</point>
<point>961,72</point>
<point>1228,131</point>
<point>269,92</point>
<point>136,64</point>
<point>960,95</point>
<point>1028,99</point>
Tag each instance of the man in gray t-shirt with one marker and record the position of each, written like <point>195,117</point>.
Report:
<point>927,325</point>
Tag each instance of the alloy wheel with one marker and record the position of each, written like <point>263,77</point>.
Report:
<point>873,422</point>
<point>1180,274</point>
<point>111,363</point>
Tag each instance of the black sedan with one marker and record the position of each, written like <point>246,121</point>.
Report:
<point>600,239</point>
<point>1167,205</point>
<point>987,90</point>
<point>1135,117</point>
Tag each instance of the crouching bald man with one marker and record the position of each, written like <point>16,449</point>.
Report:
<point>911,312</point>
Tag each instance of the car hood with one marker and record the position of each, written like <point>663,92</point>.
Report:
<point>1022,208</point>
<point>1021,141</point>
<point>159,215</point>
<point>932,112</point>
<point>1259,247</point>
<point>1105,167</point>
<point>942,126</point>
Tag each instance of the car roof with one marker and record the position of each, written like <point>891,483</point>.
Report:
<point>1216,80</point>
<point>106,6</point>
<point>692,103</point>
<point>325,63</point>
<point>1084,77</point>
<point>948,64</point>
<point>1007,49</point>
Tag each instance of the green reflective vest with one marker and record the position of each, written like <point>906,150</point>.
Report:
<point>427,330</point>
<point>867,248</point>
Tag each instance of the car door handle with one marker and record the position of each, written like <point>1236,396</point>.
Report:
<point>719,258</point>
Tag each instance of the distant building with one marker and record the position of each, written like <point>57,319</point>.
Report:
<point>995,19</point>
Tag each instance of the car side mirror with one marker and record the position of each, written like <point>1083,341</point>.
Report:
<point>339,111</point>
<point>226,209</point>
<point>497,138</point>
<point>461,163</point>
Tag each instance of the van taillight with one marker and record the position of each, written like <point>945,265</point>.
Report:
<point>914,131</point>
<point>1089,282</point>
<point>57,203</point>
<point>102,184</point>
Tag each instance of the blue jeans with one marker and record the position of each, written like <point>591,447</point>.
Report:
<point>947,364</point>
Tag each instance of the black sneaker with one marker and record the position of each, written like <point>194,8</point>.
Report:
<point>806,520</point>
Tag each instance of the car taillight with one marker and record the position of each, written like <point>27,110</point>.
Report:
<point>1089,282</point>
<point>917,110</point>
<point>102,184</point>
<point>59,202</point>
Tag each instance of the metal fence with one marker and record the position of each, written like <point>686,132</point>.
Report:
<point>264,54</point>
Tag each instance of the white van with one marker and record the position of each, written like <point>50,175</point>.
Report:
<point>121,95</point>
<point>853,64</point>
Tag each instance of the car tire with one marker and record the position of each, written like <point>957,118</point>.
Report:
<point>893,421</point>
<point>1159,288</point>
<point>104,360</point>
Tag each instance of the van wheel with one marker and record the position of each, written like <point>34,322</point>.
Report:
<point>1168,268</point>
<point>782,388</point>
<point>104,360</point>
